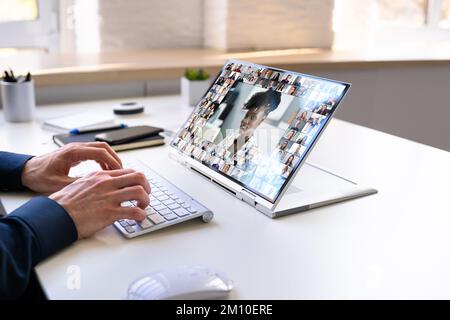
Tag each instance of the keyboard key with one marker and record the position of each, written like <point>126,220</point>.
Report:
<point>164,211</point>
<point>171,216</point>
<point>159,207</point>
<point>168,201</point>
<point>191,210</point>
<point>126,204</point>
<point>129,229</point>
<point>185,205</point>
<point>173,206</point>
<point>145,224</point>
<point>154,202</point>
<point>181,212</point>
<point>156,218</point>
<point>123,223</point>
<point>131,222</point>
<point>149,211</point>
<point>157,194</point>
<point>179,201</point>
<point>162,198</point>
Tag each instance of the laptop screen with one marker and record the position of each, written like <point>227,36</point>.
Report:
<point>256,124</point>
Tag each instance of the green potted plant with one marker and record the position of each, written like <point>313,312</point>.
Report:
<point>194,84</point>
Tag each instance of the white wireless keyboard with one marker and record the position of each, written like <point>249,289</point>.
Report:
<point>168,206</point>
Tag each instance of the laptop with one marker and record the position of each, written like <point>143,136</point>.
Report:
<point>250,135</point>
<point>252,132</point>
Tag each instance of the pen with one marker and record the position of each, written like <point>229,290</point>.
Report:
<point>10,77</point>
<point>80,131</point>
<point>6,76</point>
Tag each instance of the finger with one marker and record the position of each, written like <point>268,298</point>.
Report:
<point>108,173</point>
<point>107,147</point>
<point>137,193</point>
<point>101,145</point>
<point>68,180</point>
<point>75,163</point>
<point>133,213</point>
<point>118,172</point>
<point>104,166</point>
<point>82,153</point>
<point>131,179</point>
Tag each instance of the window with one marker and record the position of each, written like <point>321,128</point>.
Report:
<point>427,13</point>
<point>29,24</point>
<point>402,12</point>
<point>18,10</point>
<point>360,24</point>
<point>445,14</point>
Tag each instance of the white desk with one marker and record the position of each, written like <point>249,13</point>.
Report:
<point>390,245</point>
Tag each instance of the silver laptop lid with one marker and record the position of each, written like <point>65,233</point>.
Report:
<point>256,125</point>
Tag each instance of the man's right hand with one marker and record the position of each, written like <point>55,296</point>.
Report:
<point>93,202</point>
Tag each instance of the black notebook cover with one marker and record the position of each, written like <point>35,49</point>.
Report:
<point>63,139</point>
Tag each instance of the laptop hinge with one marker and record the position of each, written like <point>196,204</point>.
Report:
<point>248,197</point>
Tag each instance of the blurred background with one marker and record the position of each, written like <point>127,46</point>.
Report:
<point>396,53</point>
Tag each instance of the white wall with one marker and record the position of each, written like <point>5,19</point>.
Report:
<point>215,28</point>
<point>115,25</point>
<point>268,24</point>
<point>140,24</point>
<point>410,101</point>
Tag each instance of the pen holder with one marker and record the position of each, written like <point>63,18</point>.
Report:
<point>18,100</point>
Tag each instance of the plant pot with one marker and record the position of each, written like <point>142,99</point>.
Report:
<point>193,90</point>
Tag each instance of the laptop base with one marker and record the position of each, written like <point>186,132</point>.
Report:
<point>316,187</point>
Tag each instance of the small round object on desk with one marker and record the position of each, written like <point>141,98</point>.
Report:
<point>128,108</point>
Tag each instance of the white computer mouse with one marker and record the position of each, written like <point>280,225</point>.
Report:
<point>181,283</point>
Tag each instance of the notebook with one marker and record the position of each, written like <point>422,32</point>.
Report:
<point>82,121</point>
<point>63,139</point>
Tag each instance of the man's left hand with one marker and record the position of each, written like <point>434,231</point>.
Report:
<point>50,173</point>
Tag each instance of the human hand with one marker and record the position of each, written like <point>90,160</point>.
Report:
<point>50,173</point>
<point>94,201</point>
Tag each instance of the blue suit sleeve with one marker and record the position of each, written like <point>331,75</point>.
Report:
<point>31,233</point>
<point>11,166</point>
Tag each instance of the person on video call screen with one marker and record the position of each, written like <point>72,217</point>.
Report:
<point>257,108</point>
